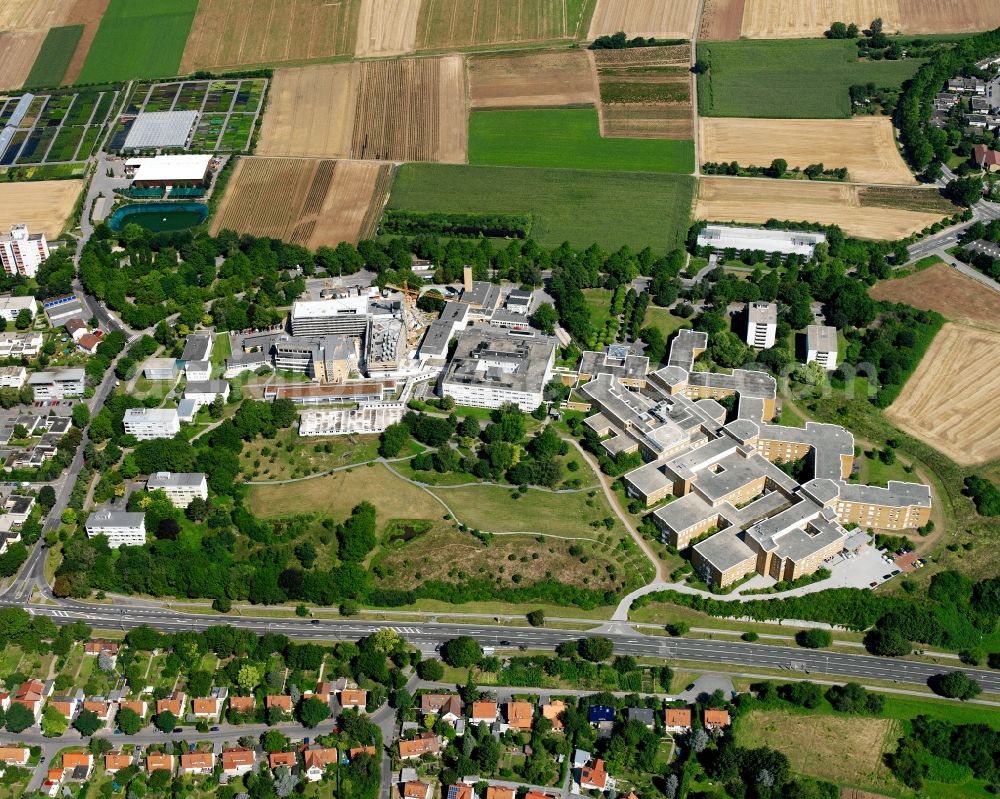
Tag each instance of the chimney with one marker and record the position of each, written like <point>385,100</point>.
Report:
<point>467,278</point>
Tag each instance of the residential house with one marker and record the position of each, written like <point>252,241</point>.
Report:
<point>197,762</point>
<point>100,707</point>
<point>237,762</point>
<point>53,779</point>
<point>553,712</point>
<point>138,706</point>
<point>14,755</point>
<point>30,694</point>
<point>175,703</point>
<point>243,704</point>
<point>316,759</point>
<point>156,761</point>
<point>279,759</point>
<point>116,761</point>
<point>594,777</point>
<point>207,707</point>
<point>353,697</point>
<point>985,158</point>
<point>581,757</point>
<point>415,789</point>
<point>499,792</point>
<point>361,750</point>
<point>716,719</point>
<point>598,713</point>
<point>538,795</point>
<point>88,343</point>
<point>677,719</point>
<point>519,715</point>
<point>642,714</point>
<point>4,701</point>
<point>76,328</point>
<point>98,645</point>
<point>68,706</point>
<point>425,743</point>
<point>460,790</point>
<point>282,702</point>
<point>446,706</point>
<point>483,712</point>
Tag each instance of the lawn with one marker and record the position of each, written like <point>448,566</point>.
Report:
<point>54,57</point>
<point>288,456</point>
<point>221,349</point>
<point>598,306</point>
<point>789,78</point>
<point>568,138</point>
<point>664,321</point>
<point>139,40</point>
<point>875,472</point>
<point>609,208</point>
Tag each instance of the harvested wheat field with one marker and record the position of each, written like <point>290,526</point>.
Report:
<point>87,13</point>
<point>387,27</point>
<point>865,145</point>
<point>721,20</point>
<point>645,92</point>
<point>231,33</point>
<point>310,111</point>
<point>32,14</point>
<point>784,19</point>
<point>447,24</point>
<point>43,205</point>
<point>311,202</point>
<point>952,400</point>
<point>412,109</point>
<point>18,50</point>
<point>947,291</point>
<point>532,80</point>
<point>757,200</point>
<point>649,18</point>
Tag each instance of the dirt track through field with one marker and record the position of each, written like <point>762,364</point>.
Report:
<point>952,400</point>
<point>18,51</point>
<point>229,33</point>
<point>865,145</point>
<point>660,19</point>
<point>311,202</point>
<point>22,15</point>
<point>87,13</point>
<point>947,291</point>
<point>721,20</point>
<point>751,200</point>
<point>532,80</point>
<point>387,27</point>
<point>43,205</point>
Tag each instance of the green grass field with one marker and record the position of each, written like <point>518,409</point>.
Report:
<point>580,207</point>
<point>139,40</point>
<point>789,78</point>
<point>568,138</point>
<point>54,57</point>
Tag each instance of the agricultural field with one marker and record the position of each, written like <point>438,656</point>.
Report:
<point>43,205</point>
<point>961,366</point>
<point>32,14</point>
<point>582,207</point>
<point>233,33</point>
<point>781,19</point>
<point>305,201</point>
<point>406,109</point>
<point>783,79</point>
<point>139,40</point>
<point>451,24</point>
<point>569,139</point>
<point>844,749</point>
<point>18,52</point>
<point>53,59</point>
<point>88,13</point>
<point>528,80</point>
<point>866,146</point>
<point>947,291</point>
<point>646,92</point>
<point>752,200</point>
<point>649,18</point>
<point>387,27</point>
<point>721,20</point>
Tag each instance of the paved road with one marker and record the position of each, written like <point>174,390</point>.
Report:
<point>627,641</point>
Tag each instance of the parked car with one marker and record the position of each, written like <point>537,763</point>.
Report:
<point>873,584</point>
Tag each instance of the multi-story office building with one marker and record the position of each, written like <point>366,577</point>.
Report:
<point>149,423</point>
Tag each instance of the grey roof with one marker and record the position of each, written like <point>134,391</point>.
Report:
<point>483,295</point>
<point>198,366</point>
<point>115,518</point>
<point>454,312</point>
<point>822,490</point>
<point>643,714</point>
<point>155,129</point>
<point>631,367</point>
<point>519,297</point>
<point>527,358</point>
<point>830,442</point>
<point>20,109</point>
<point>19,504</point>
<point>150,414</point>
<point>763,313</point>
<point>160,363</point>
<point>174,480</point>
<point>822,338</point>
<point>683,346</point>
<point>197,347</point>
<point>896,494</point>
<point>186,408</point>
<point>63,375</point>
<point>724,550</point>
<point>745,382</point>
<point>684,513</point>
<point>438,335</point>
<point>206,387</point>
<point>742,430</point>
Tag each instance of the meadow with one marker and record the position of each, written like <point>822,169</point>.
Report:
<point>568,139</point>
<point>54,57</point>
<point>139,40</point>
<point>580,207</point>
<point>789,79</point>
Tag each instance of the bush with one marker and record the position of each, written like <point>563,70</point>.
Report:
<point>813,638</point>
<point>750,636</point>
<point>430,670</point>
<point>678,628</point>
<point>955,685</point>
<point>461,652</point>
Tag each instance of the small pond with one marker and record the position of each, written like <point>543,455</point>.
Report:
<point>160,217</point>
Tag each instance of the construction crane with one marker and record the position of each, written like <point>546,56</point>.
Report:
<point>410,297</point>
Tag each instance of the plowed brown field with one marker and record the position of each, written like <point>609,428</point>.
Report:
<point>947,291</point>
<point>43,205</point>
<point>387,27</point>
<point>780,19</point>
<point>532,80</point>
<point>661,19</point>
<point>721,20</point>
<point>310,202</point>
<point>18,50</point>
<point>750,200</point>
<point>952,400</point>
<point>32,14</point>
<point>865,145</point>
<point>87,13</point>
<point>229,33</point>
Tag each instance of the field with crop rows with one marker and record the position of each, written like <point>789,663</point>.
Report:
<point>646,92</point>
<point>43,205</point>
<point>53,59</point>
<point>450,24</point>
<point>387,27</point>
<point>525,80</point>
<point>649,18</point>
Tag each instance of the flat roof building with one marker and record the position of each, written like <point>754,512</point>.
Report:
<point>197,347</point>
<point>180,487</point>
<point>21,252</point>
<point>121,528</point>
<point>341,315</point>
<point>160,368</point>
<point>57,383</point>
<point>153,130</point>
<point>61,309</point>
<point>784,242</point>
<point>762,324</point>
<point>821,346</point>
<point>149,423</point>
<point>169,170</point>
